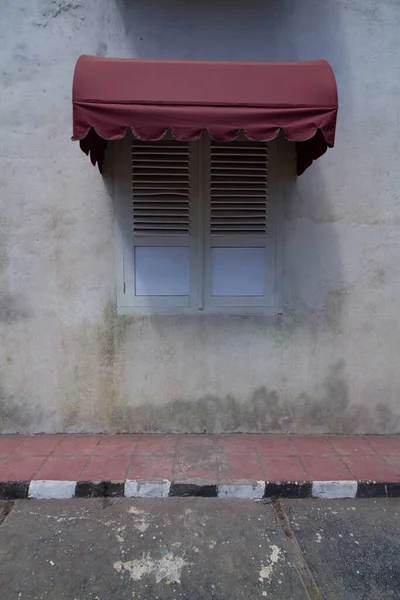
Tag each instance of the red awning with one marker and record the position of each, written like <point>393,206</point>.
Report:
<point>189,97</point>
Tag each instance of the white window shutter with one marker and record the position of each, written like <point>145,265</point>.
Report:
<point>162,223</point>
<point>198,226</point>
<point>238,240</point>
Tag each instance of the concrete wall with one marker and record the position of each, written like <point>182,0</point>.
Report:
<point>68,363</point>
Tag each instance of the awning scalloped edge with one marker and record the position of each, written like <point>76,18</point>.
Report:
<point>94,144</point>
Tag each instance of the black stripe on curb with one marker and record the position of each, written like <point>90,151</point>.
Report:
<point>191,489</point>
<point>115,489</point>
<point>90,489</point>
<point>288,489</point>
<point>371,489</point>
<point>393,489</point>
<point>99,489</point>
<point>14,490</point>
<point>374,489</point>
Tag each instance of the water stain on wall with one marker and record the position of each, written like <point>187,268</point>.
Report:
<point>12,306</point>
<point>91,396</point>
<point>91,372</point>
<point>264,411</point>
<point>14,411</point>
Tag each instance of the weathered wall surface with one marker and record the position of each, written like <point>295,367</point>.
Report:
<point>68,363</point>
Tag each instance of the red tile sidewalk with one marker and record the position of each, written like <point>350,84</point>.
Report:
<point>195,458</point>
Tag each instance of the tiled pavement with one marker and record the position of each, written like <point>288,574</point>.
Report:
<point>199,458</point>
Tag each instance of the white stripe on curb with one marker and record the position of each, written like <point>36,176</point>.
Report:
<point>334,489</point>
<point>253,491</point>
<point>49,490</point>
<point>137,489</point>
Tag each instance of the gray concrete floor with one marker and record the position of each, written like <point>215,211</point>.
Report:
<point>351,547</point>
<point>194,548</point>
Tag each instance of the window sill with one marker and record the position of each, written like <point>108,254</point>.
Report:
<point>267,311</point>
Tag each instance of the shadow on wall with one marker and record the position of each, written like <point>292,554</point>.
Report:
<point>274,30</point>
<point>264,30</point>
<point>281,30</point>
<point>314,292</point>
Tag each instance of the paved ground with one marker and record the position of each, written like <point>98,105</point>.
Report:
<point>351,547</point>
<point>194,458</point>
<point>198,548</point>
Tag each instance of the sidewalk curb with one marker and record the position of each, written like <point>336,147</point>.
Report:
<point>163,488</point>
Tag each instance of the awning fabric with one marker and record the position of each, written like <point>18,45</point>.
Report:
<point>190,97</point>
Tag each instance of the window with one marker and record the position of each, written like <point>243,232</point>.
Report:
<point>198,226</point>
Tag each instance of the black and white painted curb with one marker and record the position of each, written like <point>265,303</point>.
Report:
<point>49,489</point>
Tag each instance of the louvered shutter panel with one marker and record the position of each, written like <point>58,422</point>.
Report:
<point>161,188</point>
<point>237,223</point>
<point>238,188</point>
<point>161,204</point>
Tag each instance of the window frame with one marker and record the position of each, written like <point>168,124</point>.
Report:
<point>199,299</point>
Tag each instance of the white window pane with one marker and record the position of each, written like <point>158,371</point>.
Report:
<point>237,271</point>
<point>161,271</point>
